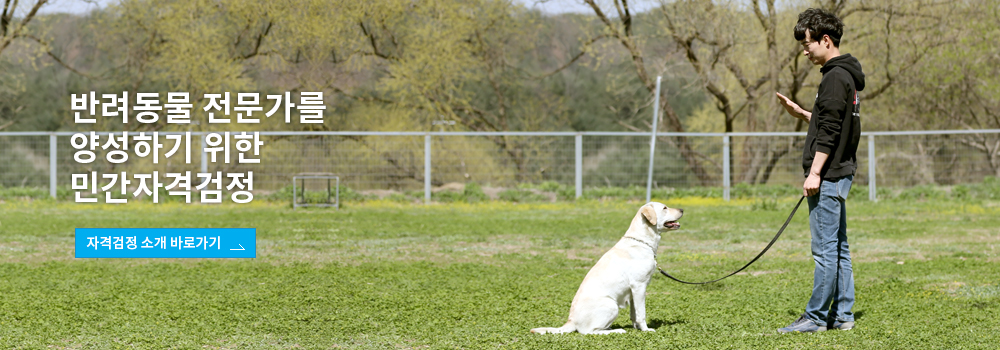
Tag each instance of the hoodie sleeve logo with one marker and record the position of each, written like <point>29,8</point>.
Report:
<point>857,105</point>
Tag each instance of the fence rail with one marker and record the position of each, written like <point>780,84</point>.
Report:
<point>413,161</point>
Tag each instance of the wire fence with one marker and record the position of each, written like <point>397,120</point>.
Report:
<point>417,161</point>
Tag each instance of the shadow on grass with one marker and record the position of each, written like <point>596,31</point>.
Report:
<point>655,323</point>
<point>857,314</point>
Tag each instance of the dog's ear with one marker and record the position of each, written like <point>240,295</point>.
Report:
<point>649,214</point>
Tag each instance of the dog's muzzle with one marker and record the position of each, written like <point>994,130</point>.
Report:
<point>673,225</point>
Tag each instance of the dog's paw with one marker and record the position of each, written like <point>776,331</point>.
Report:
<point>643,327</point>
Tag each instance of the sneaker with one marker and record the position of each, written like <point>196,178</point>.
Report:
<point>842,325</point>
<point>803,325</point>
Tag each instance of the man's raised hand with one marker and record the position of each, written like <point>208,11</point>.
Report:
<point>793,108</point>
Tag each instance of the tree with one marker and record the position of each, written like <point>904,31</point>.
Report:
<point>954,85</point>
<point>739,57</point>
<point>742,52</point>
<point>14,27</point>
<point>622,30</point>
<point>459,60</point>
<point>465,61</point>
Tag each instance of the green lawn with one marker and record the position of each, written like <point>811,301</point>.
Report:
<point>388,275</point>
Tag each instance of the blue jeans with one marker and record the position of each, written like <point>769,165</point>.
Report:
<point>833,279</point>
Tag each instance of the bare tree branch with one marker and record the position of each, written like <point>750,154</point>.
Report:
<point>360,98</point>
<point>7,124</point>
<point>260,39</point>
<point>52,55</point>
<point>583,51</point>
<point>627,41</point>
<point>374,44</point>
<point>8,16</point>
<point>5,18</point>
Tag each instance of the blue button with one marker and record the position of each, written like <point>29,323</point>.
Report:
<point>166,243</point>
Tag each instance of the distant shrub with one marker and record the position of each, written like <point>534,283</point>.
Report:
<point>765,204</point>
<point>23,192</point>
<point>399,197</point>
<point>563,192</point>
<point>473,193</point>
<point>921,192</point>
<point>285,194</point>
<point>521,196</point>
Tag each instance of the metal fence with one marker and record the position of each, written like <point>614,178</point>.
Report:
<point>420,161</point>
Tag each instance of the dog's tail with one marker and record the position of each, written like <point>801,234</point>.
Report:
<point>566,328</point>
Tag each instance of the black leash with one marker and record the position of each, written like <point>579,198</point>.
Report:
<point>775,239</point>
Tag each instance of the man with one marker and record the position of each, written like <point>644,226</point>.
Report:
<point>830,161</point>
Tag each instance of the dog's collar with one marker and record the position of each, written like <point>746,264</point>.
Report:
<point>644,243</point>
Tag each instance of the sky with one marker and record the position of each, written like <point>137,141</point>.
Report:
<point>551,7</point>
<point>577,6</point>
<point>69,6</point>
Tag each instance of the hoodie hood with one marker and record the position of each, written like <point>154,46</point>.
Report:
<point>850,64</point>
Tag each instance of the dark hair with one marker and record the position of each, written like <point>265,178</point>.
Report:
<point>819,22</point>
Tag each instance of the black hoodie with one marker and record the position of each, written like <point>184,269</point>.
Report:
<point>835,126</point>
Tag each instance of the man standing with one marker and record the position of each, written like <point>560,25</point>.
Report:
<point>829,160</point>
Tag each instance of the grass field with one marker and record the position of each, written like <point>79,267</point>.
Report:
<point>389,275</point>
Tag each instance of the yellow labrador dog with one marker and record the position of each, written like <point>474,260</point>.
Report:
<point>621,276</point>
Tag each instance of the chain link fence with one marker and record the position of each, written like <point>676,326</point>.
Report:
<point>415,161</point>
